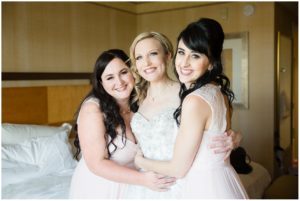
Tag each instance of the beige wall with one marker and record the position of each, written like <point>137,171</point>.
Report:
<point>61,37</point>
<point>51,37</point>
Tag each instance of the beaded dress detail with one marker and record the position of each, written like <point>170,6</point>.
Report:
<point>156,137</point>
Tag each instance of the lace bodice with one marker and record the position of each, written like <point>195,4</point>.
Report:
<point>157,135</point>
<point>214,97</point>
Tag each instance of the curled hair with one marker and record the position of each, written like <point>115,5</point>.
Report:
<point>142,85</point>
<point>205,36</point>
<point>107,104</point>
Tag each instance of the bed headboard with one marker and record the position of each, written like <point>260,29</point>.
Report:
<point>49,105</point>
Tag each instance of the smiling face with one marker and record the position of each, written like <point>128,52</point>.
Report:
<point>190,65</point>
<point>151,59</point>
<point>117,79</point>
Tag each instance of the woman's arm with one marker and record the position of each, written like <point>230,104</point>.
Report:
<point>195,117</point>
<point>91,131</point>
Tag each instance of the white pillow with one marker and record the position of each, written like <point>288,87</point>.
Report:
<point>18,133</point>
<point>49,154</point>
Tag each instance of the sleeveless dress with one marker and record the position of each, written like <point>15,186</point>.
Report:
<point>156,138</point>
<point>210,176</point>
<point>87,185</point>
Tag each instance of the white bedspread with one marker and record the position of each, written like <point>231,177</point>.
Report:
<point>37,161</point>
<point>46,187</point>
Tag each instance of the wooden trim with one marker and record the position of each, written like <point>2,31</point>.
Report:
<point>159,7</point>
<point>126,7</point>
<point>44,76</point>
<point>142,8</point>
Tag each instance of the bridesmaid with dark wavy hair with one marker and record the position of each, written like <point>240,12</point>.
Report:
<point>105,143</point>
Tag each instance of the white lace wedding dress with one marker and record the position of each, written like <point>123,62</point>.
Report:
<point>156,138</point>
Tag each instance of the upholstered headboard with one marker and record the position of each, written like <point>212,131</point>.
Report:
<point>41,105</point>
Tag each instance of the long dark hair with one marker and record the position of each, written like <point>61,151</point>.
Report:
<point>205,36</point>
<point>107,104</point>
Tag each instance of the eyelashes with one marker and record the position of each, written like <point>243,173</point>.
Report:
<point>149,54</point>
<point>122,72</point>
<point>192,55</point>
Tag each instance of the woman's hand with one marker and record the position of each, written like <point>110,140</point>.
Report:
<point>226,143</point>
<point>154,181</point>
<point>138,158</point>
<point>158,182</point>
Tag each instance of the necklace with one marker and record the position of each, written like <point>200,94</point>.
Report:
<point>160,94</point>
<point>152,98</point>
<point>155,98</point>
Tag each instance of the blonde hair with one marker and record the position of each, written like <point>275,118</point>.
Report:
<point>142,85</point>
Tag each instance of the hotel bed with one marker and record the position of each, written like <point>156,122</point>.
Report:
<point>37,153</point>
<point>37,159</point>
